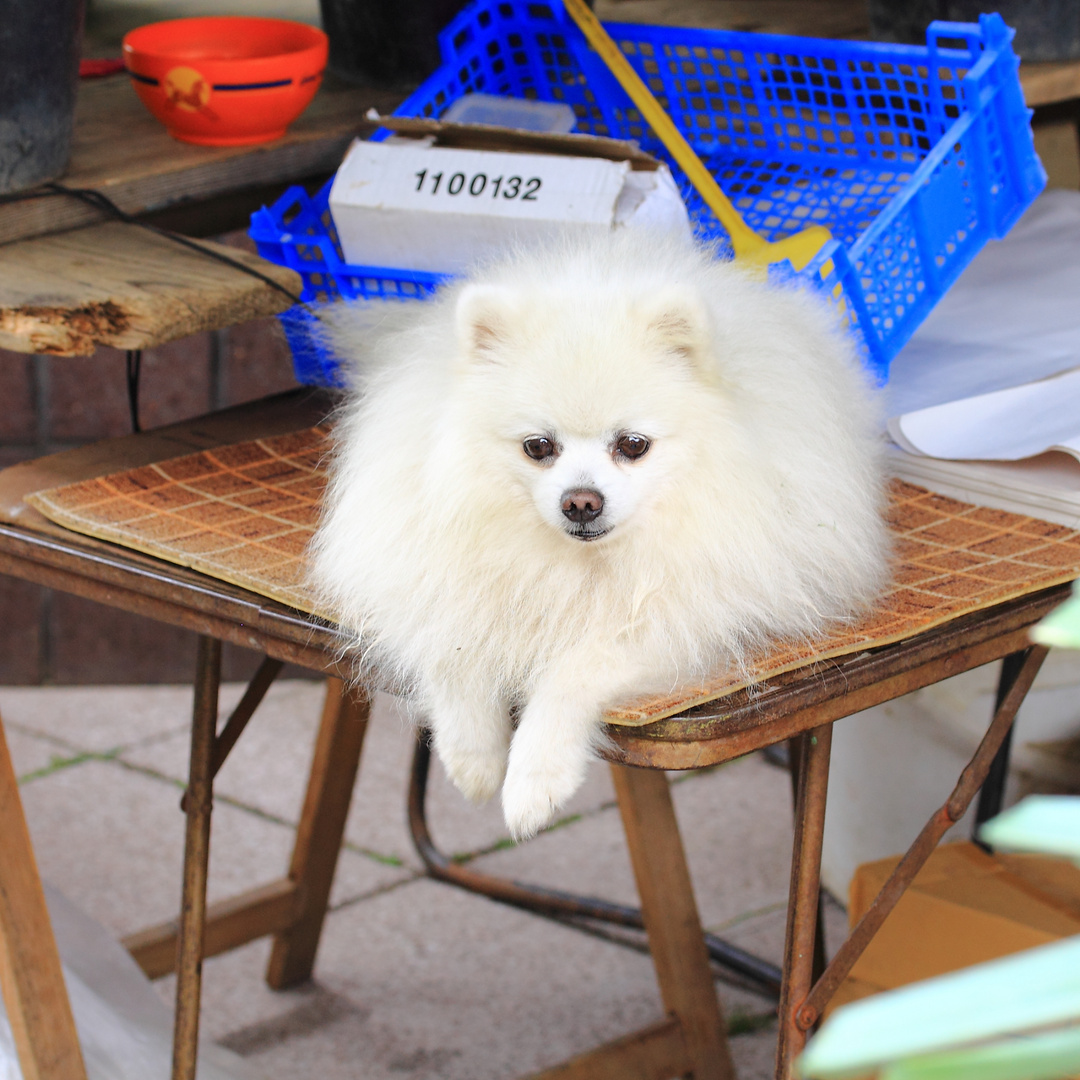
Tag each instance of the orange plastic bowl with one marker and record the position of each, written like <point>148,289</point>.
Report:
<point>226,81</point>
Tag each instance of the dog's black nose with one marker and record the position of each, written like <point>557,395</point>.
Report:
<point>582,505</point>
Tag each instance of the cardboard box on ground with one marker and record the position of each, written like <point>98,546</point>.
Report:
<point>440,196</point>
<point>964,907</point>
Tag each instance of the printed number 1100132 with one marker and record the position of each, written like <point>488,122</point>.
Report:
<point>510,187</point>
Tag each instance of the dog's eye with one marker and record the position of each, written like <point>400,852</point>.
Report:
<point>632,446</point>
<point>539,447</point>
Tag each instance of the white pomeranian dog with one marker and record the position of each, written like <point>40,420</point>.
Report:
<point>592,471</point>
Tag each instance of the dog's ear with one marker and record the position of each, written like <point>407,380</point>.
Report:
<point>484,316</point>
<point>678,322</point>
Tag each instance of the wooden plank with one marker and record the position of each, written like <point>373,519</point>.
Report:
<point>676,939</point>
<point>1043,84</point>
<point>230,923</point>
<point>804,18</point>
<point>322,825</point>
<point>653,1053</point>
<point>121,285</point>
<point>31,980</point>
<point>121,150</point>
<point>1047,84</point>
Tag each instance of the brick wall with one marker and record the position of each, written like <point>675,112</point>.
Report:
<point>55,403</point>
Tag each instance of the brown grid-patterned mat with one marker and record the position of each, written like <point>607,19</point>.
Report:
<point>245,513</point>
<point>242,513</point>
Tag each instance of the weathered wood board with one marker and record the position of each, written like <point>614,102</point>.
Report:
<point>121,285</point>
<point>1044,84</point>
<point>121,150</point>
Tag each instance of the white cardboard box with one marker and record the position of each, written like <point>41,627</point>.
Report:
<point>405,203</point>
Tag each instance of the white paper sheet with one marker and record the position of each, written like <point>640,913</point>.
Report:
<point>1004,425</point>
<point>1013,316</point>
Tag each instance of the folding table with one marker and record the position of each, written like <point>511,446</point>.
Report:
<point>948,553</point>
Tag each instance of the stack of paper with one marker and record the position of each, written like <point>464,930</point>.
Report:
<point>985,398</point>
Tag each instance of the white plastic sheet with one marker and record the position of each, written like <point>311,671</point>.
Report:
<point>125,1029</point>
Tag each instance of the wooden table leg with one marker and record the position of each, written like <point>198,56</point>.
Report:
<point>671,919</point>
<point>189,952</point>
<point>30,976</point>
<point>812,770</point>
<point>320,831</point>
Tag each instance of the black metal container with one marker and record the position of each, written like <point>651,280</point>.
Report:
<point>1045,29</point>
<point>385,42</point>
<point>39,74</point>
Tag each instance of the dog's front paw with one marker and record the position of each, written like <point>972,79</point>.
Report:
<point>534,792</point>
<point>476,774</point>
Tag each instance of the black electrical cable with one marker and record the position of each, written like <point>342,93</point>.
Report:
<point>134,370</point>
<point>105,205</point>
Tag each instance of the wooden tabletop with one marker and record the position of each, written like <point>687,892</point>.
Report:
<point>1044,84</point>
<point>64,292</point>
<point>121,150</point>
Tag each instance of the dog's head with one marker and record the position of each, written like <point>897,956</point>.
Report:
<point>584,395</point>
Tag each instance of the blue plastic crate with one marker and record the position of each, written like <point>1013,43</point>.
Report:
<point>298,232</point>
<point>912,156</point>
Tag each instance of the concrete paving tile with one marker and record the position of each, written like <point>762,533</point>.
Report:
<point>736,829</point>
<point>112,840</point>
<point>377,819</point>
<point>104,718</point>
<point>426,981</point>
<point>359,876</point>
<point>755,1055</point>
<point>268,771</point>
<point>33,755</point>
<point>268,768</point>
<point>760,933</point>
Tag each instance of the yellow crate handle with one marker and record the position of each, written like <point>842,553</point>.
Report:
<point>749,247</point>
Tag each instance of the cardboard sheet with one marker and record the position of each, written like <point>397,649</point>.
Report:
<point>963,908</point>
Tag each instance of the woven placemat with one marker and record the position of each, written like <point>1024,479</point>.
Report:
<point>245,514</point>
<point>242,513</point>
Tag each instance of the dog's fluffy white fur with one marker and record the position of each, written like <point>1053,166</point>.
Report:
<point>448,549</point>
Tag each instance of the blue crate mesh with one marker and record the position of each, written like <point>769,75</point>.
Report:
<point>912,156</point>
<point>298,232</point>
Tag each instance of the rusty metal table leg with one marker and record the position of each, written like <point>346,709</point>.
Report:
<point>992,793</point>
<point>812,770</point>
<point>801,1010</point>
<point>196,860</point>
<point>794,764</point>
